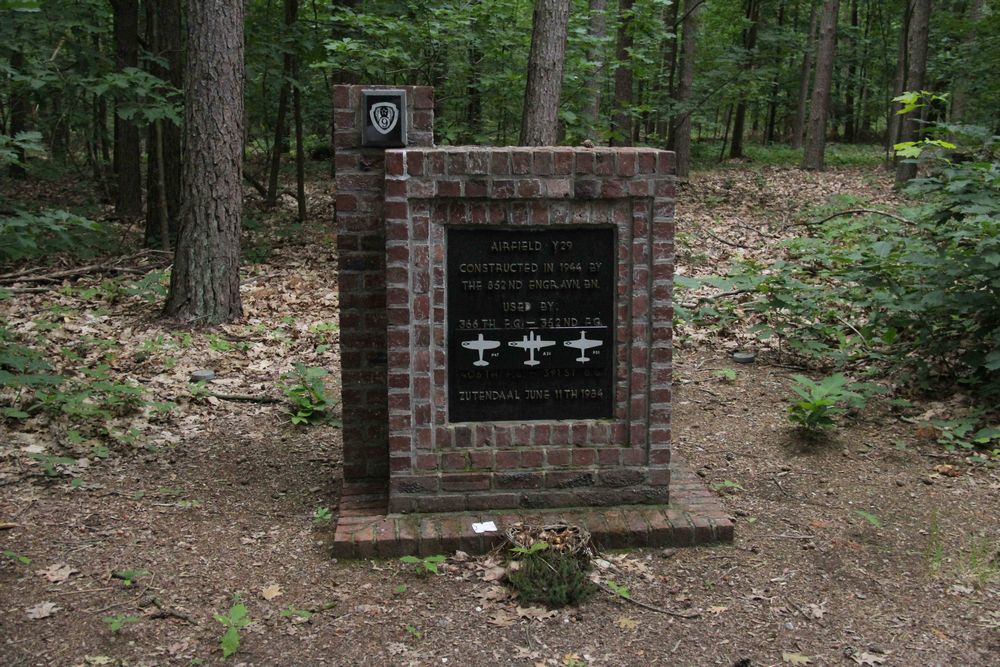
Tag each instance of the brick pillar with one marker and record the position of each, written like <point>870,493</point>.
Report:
<point>360,181</point>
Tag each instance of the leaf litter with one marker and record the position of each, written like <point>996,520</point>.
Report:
<point>260,480</point>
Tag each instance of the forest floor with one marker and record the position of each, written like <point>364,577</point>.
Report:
<point>873,547</point>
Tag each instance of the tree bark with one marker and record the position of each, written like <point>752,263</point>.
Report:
<point>749,44</point>
<point>280,123</point>
<point>540,116</point>
<point>816,130</point>
<point>681,132</point>
<point>849,114</point>
<point>598,32</point>
<point>772,105</point>
<point>19,113</point>
<point>205,281</point>
<point>621,118</point>
<point>915,72</point>
<point>958,96</point>
<point>798,126</point>
<point>163,27</point>
<point>894,124</point>
<point>128,155</point>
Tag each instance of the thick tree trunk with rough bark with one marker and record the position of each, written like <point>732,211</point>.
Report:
<point>163,29</point>
<point>598,31</point>
<point>916,71</point>
<point>816,129</point>
<point>128,156</point>
<point>205,281</point>
<point>540,116</point>
<point>621,118</point>
<point>681,133</point>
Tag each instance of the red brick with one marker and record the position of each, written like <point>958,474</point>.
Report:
<point>520,161</point>
<point>557,457</point>
<point>393,163</point>
<point>423,97</point>
<point>584,457</point>
<point>465,482</point>
<point>532,458</point>
<point>506,460</point>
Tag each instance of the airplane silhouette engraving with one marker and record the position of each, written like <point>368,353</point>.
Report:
<point>480,345</point>
<point>582,344</point>
<point>531,343</point>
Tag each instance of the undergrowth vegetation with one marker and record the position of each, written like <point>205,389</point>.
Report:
<point>912,299</point>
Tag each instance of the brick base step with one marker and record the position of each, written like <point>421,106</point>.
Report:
<point>364,530</point>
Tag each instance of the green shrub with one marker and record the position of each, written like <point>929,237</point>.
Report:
<point>306,388</point>
<point>553,578</point>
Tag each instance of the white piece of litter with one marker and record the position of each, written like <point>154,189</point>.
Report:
<point>484,527</point>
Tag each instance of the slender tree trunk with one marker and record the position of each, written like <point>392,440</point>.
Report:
<point>300,158</point>
<point>681,132</point>
<point>598,33</point>
<point>915,73</point>
<point>671,51</point>
<point>621,119</point>
<point>894,123</point>
<point>749,44</point>
<point>205,281</point>
<point>540,119</point>
<point>20,110</point>
<point>772,105</point>
<point>816,130</point>
<point>849,82</point>
<point>798,126</point>
<point>958,96</point>
<point>861,119</point>
<point>128,155</point>
<point>163,143</point>
<point>281,122</point>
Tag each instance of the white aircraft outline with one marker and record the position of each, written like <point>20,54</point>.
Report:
<point>532,344</point>
<point>582,344</point>
<point>480,345</point>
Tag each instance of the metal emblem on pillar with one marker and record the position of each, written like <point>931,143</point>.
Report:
<point>385,118</point>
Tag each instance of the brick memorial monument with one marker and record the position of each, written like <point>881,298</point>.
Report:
<point>506,327</point>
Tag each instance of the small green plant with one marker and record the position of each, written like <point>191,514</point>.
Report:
<point>553,578</point>
<point>821,401</point>
<point>425,565</point>
<point>49,463</point>
<point>620,591</point>
<point>530,551</point>
<point>119,621</point>
<point>129,577</point>
<point>416,634</point>
<point>399,590</point>
<point>23,560</point>
<point>292,612</point>
<point>322,516</point>
<point>727,486</point>
<point>725,375</point>
<point>872,520</point>
<point>306,388</point>
<point>234,620</point>
<point>935,548</point>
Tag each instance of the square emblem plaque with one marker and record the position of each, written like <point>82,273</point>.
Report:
<point>384,124</point>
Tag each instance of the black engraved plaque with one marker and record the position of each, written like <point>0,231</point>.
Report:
<point>385,122</point>
<point>531,332</point>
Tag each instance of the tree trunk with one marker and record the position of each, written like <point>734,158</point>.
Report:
<point>598,31</point>
<point>281,122</point>
<point>816,130</point>
<point>19,112</point>
<point>300,158</point>
<point>621,119</point>
<point>894,123</point>
<point>749,44</point>
<point>681,132</point>
<point>958,96</point>
<point>205,281</point>
<point>798,126</point>
<point>915,72</point>
<point>163,27</point>
<point>849,114</point>
<point>128,155</point>
<point>540,117</point>
<point>772,105</point>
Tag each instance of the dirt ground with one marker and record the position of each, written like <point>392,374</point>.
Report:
<point>872,548</point>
